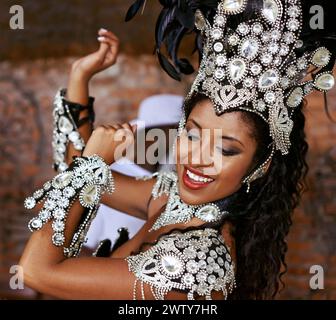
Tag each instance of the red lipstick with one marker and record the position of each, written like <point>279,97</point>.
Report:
<point>193,184</point>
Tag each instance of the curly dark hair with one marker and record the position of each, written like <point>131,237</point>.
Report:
<point>262,218</point>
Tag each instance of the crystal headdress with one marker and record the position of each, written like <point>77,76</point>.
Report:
<point>256,67</point>
<point>261,56</point>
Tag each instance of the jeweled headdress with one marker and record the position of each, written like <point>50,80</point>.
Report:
<point>255,62</point>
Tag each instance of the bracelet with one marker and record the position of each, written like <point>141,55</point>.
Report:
<point>87,178</point>
<point>65,127</point>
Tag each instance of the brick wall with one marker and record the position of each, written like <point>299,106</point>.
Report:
<point>35,63</point>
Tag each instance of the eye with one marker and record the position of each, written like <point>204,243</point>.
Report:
<point>193,135</point>
<point>227,152</point>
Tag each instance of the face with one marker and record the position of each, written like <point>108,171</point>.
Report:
<point>213,154</point>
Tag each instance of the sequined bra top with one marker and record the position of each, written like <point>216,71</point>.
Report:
<point>196,262</point>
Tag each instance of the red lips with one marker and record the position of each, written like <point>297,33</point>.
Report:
<point>192,184</point>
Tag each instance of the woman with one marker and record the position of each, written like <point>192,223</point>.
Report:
<point>216,228</point>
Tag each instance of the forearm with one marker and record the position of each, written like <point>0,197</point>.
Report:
<point>78,92</point>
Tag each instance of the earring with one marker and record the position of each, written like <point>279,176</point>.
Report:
<point>260,171</point>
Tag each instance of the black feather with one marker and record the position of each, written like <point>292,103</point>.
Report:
<point>133,9</point>
<point>168,67</point>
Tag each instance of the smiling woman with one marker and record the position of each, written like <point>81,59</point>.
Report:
<point>216,226</point>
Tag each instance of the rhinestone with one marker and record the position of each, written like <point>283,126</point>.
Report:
<point>276,35</point>
<point>266,58</point>
<point>78,145</point>
<point>47,185</point>
<point>293,24</point>
<point>216,267</point>
<point>208,213</point>
<point>62,138</point>
<point>63,202</point>
<point>209,269</point>
<point>213,253</point>
<point>270,97</point>
<point>324,82</point>
<point>58,226</point>
<point>233,6</point>
<point>249,48</point>
<point>243,29</point>
<point>233,40</point>
<point>192,266</point>
<point>220,261</point>
<point>215,241</point>
<point>273,47</point>
<point>55,194</point>
<point>283,50</point>
<point>188,279</point>
<point>202,289</point>
<point>257,28</point>
<point>256,69</point>
<point>302,64</point>
<point>89,195</point>
<point>266,37</point>
<point>216,33</point>
<point>220,20</point>
<point>35,224</point>
<point>293,11</point>
<point>181,244</point>
<point>221,273</point>
<point>62,180</point>
<point>50,204</point>
<point>63,166</point>
<point>221,60</point>
<point>277,61</point>
<point>248,82</point>
<point>237,68</point>
<point>219,250</point>
<point>58,239</point>
<point>270,11</point>
<point>285,82</point>
<point>69,192</point>
<point>57,156</point>
<point>210,260</point>
<point>74,136</point>
<point>59,214</point>
<point>202,264</point>
<point>289,37</point>
<point>321,57</point>
<point>77,182</point>
<point>211,279</point>
<point>291,71</point>
<point>189,253</point>
<point>44,215</point>
<point>38,193</point>
<point>201,276</point>
<point>65,125</point>
<point>201,255</point>
<point>268,79</point>
<point>218,46</point>
<point>295,97</point>
<point>227,265</point>
<point>219,74</point>
<point>228,257</point>
<point>261,105</point>
<point>30,203</point>
<point>60,148</point>
<point>299,44</point>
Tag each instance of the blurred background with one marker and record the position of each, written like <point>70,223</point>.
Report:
<point>35,63</point>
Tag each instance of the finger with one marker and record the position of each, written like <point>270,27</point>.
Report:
<point>127,126</point>
<point>108,34</point>
<point>134,128</point>
<point>104,47</point>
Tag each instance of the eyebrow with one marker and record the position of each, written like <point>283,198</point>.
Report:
<point>223,137</point>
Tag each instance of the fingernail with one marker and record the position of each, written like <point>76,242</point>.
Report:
<point>101,38</point>
<point>102,29</point>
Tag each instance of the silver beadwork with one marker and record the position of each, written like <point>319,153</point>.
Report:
<point>264,74</point>
<point>176,210</point>
<point>92,177</point>
<point>195,262</point>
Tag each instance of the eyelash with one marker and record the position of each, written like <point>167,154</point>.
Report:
<point>227,153</point>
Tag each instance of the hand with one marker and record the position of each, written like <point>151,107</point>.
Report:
<point>103,58</point>
<point>110,142</point>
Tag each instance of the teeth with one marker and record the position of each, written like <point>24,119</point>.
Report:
<point>198,178</point>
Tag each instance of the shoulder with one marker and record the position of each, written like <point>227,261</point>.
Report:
<point>195,262</point>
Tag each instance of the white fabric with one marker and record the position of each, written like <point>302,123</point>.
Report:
<point>159,110</point>
<point>109,220</point>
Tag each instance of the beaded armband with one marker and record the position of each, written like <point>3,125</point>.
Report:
<point>87,178</point>
<point>66,123</point>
